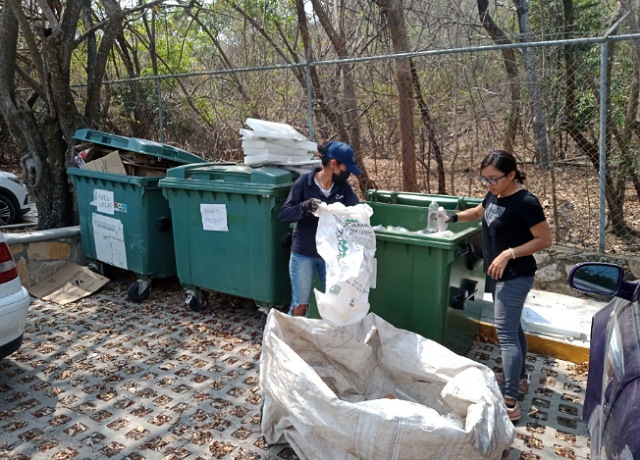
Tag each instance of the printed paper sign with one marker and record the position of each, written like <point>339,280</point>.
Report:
<point>214,217</point>
<point>108,236</point>
<point>103,201</point>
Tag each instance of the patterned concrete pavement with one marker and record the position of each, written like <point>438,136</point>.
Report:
<point>104,378</point>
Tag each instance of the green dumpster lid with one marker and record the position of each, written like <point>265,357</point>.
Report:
<point>134,144</point>
<point>212,173</point>
<point>449,202</point>
<point>228,178</point>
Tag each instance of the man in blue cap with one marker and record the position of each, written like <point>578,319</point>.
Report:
<point>324,184</point>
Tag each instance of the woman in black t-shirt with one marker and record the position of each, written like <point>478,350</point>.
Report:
<point>513,229</point>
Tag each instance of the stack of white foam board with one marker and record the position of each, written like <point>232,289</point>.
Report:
<point>276,143</point>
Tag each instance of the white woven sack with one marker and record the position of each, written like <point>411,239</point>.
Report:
<point>347,243</point>
<point>371,391</point>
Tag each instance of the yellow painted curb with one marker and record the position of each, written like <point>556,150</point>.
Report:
<point>542,345</point>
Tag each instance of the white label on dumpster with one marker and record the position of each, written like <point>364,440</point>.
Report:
<point>103,201</point>
<point>214,217</point>
<point>108,236</point>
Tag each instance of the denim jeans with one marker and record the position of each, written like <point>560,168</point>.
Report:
<point>302,270</point>
<point>508,298</point>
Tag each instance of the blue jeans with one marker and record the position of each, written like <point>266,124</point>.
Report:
<point>508,298</point>
<point>302,270</point>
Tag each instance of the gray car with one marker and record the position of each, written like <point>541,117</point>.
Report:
<point>612,398</point>
<point>14,198</point>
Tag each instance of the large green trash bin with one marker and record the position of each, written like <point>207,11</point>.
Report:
<point>226,231</point>
<point>429,284</point>
<point>124,220</point>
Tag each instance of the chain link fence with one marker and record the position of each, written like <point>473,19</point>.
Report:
<point>468,101</point>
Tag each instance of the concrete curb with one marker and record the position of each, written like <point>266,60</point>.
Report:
<point>542,345</point>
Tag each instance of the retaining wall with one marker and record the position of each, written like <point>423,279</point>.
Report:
<point>555,263</point>
<point>39,254</point>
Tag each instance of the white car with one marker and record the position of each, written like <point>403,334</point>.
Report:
<point>14,198</point>
<point>14,303</point>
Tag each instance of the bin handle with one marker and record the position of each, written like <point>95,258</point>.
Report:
<point>473,258</point>
<point>463,250</point>
<point>459,295</point>
<point>376,196</point>
<point>164,224</point>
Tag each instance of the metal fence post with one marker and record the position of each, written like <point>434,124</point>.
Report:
<point>309,92</point>
<point>154,63</point>
<point>604,53</point>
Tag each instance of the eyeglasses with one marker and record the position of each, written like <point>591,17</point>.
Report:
<point>493,181</point>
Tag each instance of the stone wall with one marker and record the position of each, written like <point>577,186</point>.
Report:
<point>555,263</point>
<point>39,254</point>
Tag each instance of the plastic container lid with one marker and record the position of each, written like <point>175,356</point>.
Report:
<point>227,177</point>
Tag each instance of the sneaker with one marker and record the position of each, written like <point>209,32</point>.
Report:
<point>514,413</point>
<point>523,385</point>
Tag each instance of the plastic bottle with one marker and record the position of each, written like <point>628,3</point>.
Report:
<point>442,219</point>
<point>81,157</point>
<point>432,217</point>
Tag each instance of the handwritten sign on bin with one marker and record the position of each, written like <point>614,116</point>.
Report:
<point>214,217</point>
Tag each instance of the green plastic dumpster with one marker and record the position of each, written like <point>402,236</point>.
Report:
<point>427,283</point>
<point>124,220</point>
<point>226,231</point>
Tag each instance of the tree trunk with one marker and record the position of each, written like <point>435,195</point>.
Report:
<point>634,96</point>
<point>393,10</point>
<point>96,68</point>
<point>350,104</point>
<point>425,117</point>
<point>40,139</point>
<point>142,121</point>
<point>320,104</point>
<point>509,58</point>
<point>541,141</point>
<point>44,131</point>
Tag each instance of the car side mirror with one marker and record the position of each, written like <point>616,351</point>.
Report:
<point>604,279</point>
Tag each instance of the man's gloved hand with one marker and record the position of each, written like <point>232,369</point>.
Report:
<point>452,217</point>
<point>311,205</point>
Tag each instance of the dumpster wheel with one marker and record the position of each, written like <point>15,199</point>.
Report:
<point>194,303</point>
<point>139,291</point>
<point>196,299</point>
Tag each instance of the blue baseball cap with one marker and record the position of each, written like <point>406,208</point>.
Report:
<point>342,153</point>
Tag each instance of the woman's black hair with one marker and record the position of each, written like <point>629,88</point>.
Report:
<point>322,150</point>
<point>504,162</point>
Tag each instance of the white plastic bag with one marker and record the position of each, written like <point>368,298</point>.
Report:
<point>372,391</point>
<point>347,243</point>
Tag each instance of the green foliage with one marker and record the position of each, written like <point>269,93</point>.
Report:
<point>590,18</point>
<point>266,11</point>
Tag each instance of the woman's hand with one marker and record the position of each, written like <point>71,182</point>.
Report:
<point>499,264</point>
